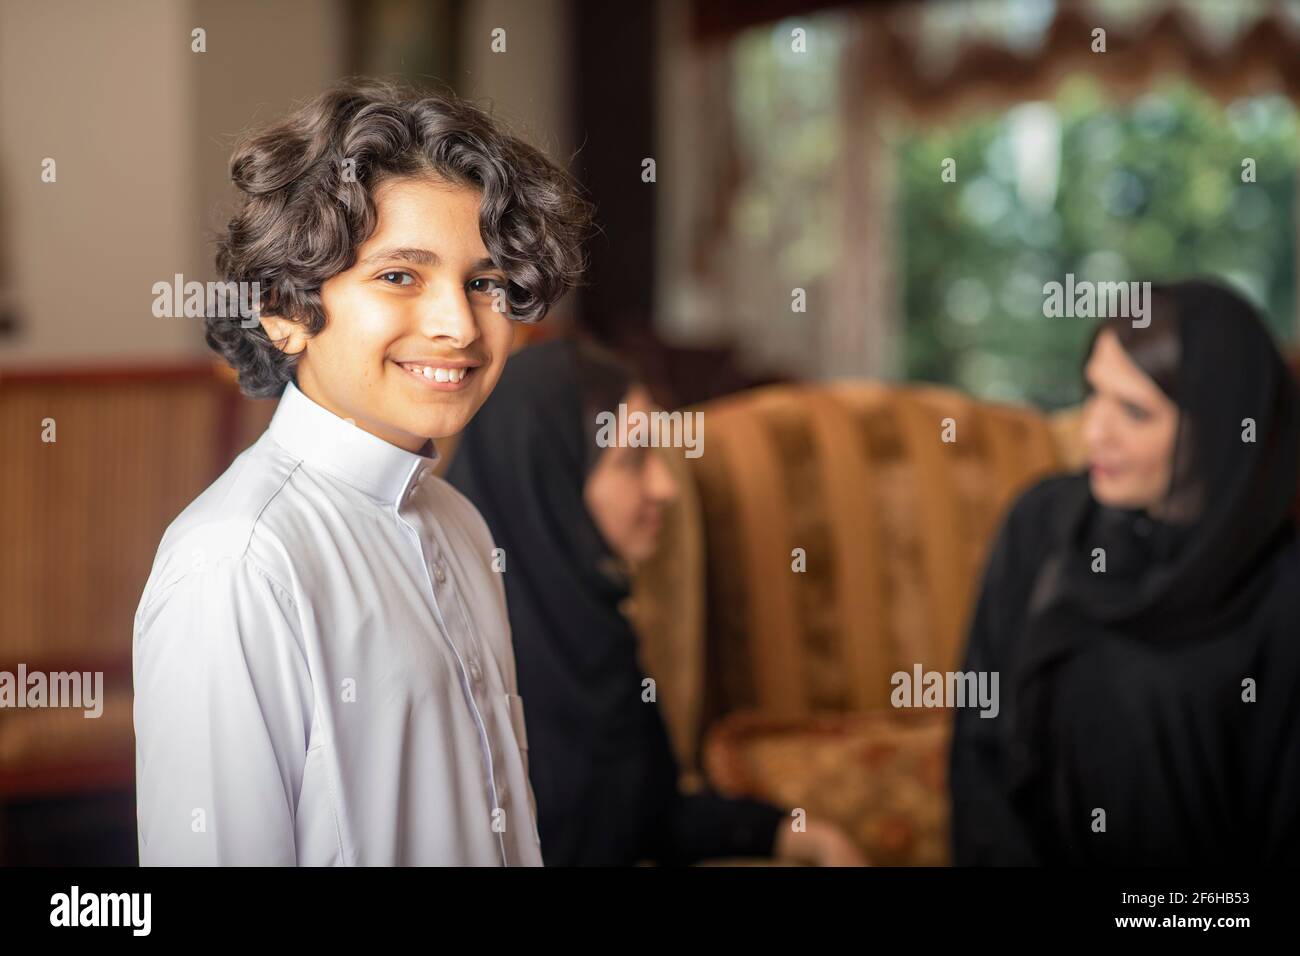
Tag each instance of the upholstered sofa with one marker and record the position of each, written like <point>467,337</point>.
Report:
<point>82,516</point>
<point>828,537</point>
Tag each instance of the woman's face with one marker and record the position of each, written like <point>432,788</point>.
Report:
<point>628,490</point>
<point>1129,426</point>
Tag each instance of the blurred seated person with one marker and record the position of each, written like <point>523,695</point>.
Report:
<point>572,518</point>
<point>1144,615</point>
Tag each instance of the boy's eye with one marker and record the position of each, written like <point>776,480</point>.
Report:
<point>388,277</point>
<point>485,284</point>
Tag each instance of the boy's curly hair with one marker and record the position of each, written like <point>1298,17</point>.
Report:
<point>305,209</point>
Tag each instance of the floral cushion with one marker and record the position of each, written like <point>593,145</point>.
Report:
<point>881,777</point>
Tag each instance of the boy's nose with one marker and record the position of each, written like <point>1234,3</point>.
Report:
<point>449,316</point>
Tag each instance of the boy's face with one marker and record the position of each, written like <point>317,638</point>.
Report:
<point>412,344</point>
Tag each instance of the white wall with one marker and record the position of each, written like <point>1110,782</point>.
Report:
<point>140,128</point>
<point>529,85</point>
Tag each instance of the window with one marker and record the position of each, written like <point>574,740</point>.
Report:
<point>1149,190</point>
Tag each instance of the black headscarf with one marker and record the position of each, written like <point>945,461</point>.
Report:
<point>1105,673</point>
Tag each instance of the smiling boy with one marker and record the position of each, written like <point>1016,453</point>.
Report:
<point>322,658</point>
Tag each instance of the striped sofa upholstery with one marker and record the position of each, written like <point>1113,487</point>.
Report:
<point>775,682</point>
<point>892,521</point>
<point>82,517</point>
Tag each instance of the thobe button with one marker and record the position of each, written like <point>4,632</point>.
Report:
<point>439,573</point>
<point>475,671</point>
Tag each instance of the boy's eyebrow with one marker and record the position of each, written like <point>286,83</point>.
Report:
<point>419,257</point>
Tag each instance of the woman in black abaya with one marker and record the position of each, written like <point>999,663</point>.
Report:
<point>1145,615</point>
<point>570,517</point>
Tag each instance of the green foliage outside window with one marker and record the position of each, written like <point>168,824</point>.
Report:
<point>1148,190</point>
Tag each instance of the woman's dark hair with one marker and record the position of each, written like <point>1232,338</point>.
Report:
<point>1156,348</point>
<point>307,185</point>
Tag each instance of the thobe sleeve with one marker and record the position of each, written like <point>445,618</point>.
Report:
<point>985,829</point>
<point>223,706</point>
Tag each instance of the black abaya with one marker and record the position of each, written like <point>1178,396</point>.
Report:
<point>1130,736</point>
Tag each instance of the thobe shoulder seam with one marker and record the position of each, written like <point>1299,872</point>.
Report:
<point>165,589</point>
<point>257,518</point>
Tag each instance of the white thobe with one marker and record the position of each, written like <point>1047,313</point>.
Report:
<point>323,668</point>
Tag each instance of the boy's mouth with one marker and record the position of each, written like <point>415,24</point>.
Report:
<point>447,378</point>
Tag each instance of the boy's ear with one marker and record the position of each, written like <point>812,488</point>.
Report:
<point>285,333</point>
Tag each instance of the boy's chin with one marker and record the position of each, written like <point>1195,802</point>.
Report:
<point>442,425</point>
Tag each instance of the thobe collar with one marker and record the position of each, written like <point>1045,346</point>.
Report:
<point>317,436</point>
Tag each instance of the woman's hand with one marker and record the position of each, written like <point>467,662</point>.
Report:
<point>819,844</point>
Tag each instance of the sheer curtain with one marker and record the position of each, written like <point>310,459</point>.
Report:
<point>776,173</point>
<point>774,198</point>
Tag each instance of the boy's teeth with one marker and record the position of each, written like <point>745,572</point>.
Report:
<point>439,374</point>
